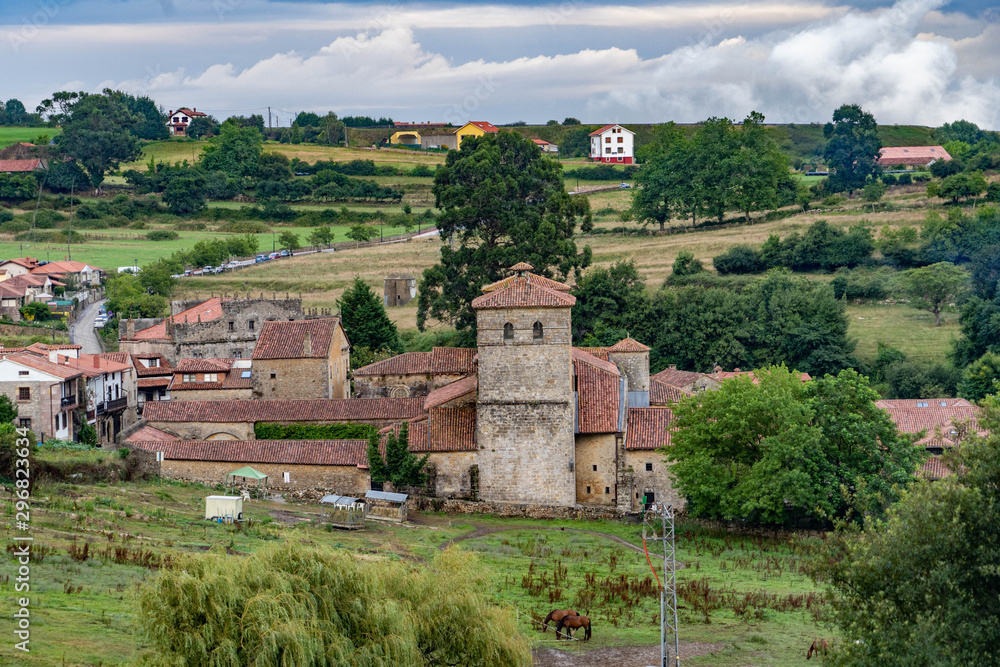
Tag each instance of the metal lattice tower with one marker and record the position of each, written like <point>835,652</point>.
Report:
<point>658,526</point>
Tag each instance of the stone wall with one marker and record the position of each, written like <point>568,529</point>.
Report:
<point>656,480</point>
<point>400,386</point>
<point>342,480</point>
<point>520,510</point>
<point>207,430</point>
<point>452,479</point>
<point>210,394</point>
<point>524,368</point>
<point>635,366</point>
<point>596,474</point>
<point>302,378</point>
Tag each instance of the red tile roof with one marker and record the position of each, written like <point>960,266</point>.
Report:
<point>190,112</point>
<point>93,365</point>
<point>120,357</point>
<point>12,166</point>
<point>914,419</point>
<point>628,345</point>
<point>31,360</point>
<point>648,428</point>
<point>934,469</point>
<point>211,365</point>
<point>451,391</point>
<point>164,367</point>
<point>26,262</point>
<point>61,267</point>
<point>290,452</point>
<point>150,434</point>
<point>914,403</point>
<point>205,311</point>
<point>675,378</point>
<point>665,394</point>
<point>598,386</point>
<point>443,430</point>
<point>532,278</point>
<point>523,293</point>
<point>484,126</point>
<point>453,360</point>
<point>599,352</point>
<point>409,363</point>
<point>286,340</point>
<point>912,155</point>
<point>608,127</point>
<point>44,347</point>
<point>269,410</point>
<point>148,383</point>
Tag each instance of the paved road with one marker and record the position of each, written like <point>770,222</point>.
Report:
<point>82,332</point>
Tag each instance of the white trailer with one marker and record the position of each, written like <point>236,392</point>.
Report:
<point>229,508</point>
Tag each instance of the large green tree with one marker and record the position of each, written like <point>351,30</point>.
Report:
<point>365,321</point>
<point>921,588</point>
<point>852,148</point>
<point>100,135</point>
<point>235,151</point>
<point>152,122</point>
<point>665,185</point>
<point>759,178</point>
<point>775,449</point>
<point>612,297</point>
<point>935,287</point>
<point>502,202</point>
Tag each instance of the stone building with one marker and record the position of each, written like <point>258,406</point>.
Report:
<point>46,391</point>
<point>414,373</point>
<point>210,380</point>
<point>306,359</point>
<point>399,289</point>
<point>215,328</point>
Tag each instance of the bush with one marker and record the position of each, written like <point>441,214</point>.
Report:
<point>739,259</point>
<point>862,284</point>
<point>5,216</point>
<point>162,235</point>
<point>14,226</point>
<point>245,227</point>
<point>46,219</point>
<point>266,431</point>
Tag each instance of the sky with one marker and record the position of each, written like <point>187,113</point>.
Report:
<point>922,62</point>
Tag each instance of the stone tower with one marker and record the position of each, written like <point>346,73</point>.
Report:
<point>632,357</point>
<point>525,406</point>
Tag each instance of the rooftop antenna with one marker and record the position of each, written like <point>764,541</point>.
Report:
<point>658,526</point>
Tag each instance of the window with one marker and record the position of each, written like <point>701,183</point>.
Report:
<point>537,331</point>
<point>22,372</point>
<point>621,140</point>
<point>621,150</point>
<point>211,377</point>
<point>649,467</point>
<point>608,149</point>
<point>595,468</point>
<point>244,374</point>
<point>619,159</point>
<point>24,393</point>
<point>24,422</point>
<point>251,324</point>
<point>922,404</point>
<point>508,331</point>
<point>944,404</point>
<point>232,326</point>
<point>287,477</point>
<point>588,489</point>
<point>274,376</point>
<point>607,140</point>
<point>237,354</point>
<point>188,377</point>
<point>153,363</point>
<point>607,490</point>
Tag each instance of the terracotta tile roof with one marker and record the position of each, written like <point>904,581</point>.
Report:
<point>599,352</point>
<point>522,266</point>
<point>885,404</point>
<point>444,430</point>
<point>268,410</point>
<point>410,363</point>
<point>93,365</point>
<point>11,291</point>
<point>61,267</point>
<point>148,383</point>
<point>235,379</point>
<point>608,127</point>
<point>934,468</point>
<point>26,262</point>
<point>720,375</point>
<point>522,293</point>
<point>212,365</point>
<point>665,394</point>
<point>483,125</point>
<point>598,385</point>
<point>120,357</point>
<point>453,360</point>
<point>31,360</point>
<point>207,311</point>
<point>531,278</point>
<point>42,348</point>
<point>914,419</point>
<point>150,434</point>
<point>910,155</point>
<point>190,112</point>
<point>286,340</point>
<point>12,166</point>
<point>7,351</point>
<point>935,441</point>
<point>451,391</point>
<point>290,452</point>
<point>648,428</point>
<point>163,368</point>
<point>628,345</point>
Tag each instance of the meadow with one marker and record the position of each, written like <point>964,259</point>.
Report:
<point>14,135</point>
<point>94,543</point>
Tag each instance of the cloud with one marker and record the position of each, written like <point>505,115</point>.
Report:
<point>884,59</point>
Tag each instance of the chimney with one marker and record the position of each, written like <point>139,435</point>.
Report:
<point>307,348</point>
<point>130,328</point>
<point>672,367</point>
<point>97,361</point>
<point>54,356</point>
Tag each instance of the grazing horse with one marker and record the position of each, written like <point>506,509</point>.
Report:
<point>818,647</point>
<point>557,615</point>
<point>570,623</point>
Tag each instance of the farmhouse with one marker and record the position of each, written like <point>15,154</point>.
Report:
<point>46,391</point>
<point>21,166</point>
<point>912,156</point>
<point>84,274</point>
<point>210,380</point>
<point>474,128</point>
<point>612,144</point>
<point>180,120</point>
<point>946,422</point>
<point>546,146</point>
<point>302,359</point>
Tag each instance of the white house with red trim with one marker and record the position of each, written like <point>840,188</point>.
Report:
<point>180,120</point>
<point>612,144</point>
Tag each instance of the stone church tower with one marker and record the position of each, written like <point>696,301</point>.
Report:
<point>525,410</point>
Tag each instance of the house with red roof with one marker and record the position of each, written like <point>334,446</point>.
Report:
<point>22,166</point>
<point>546,146</point>
<point>912,156</point>
<point>179,121</point>
<point>612,144</point>
<point>210,380</point>
<point>85,275</point>
<point>47,389</point>
<point>302,359</point>
<point>474,128</point>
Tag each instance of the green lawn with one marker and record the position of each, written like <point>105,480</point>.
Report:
<point>82,608</point>
<point>904,328</point>
<point>13,135</point>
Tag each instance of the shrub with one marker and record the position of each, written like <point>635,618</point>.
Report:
<point>266,431</point>
<point>244,227</point>
<point>162,235</point>
<point>740,258</point>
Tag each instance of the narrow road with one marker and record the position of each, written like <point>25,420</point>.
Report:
<point>82,331</point>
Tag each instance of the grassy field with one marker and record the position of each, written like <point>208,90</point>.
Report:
<point>746,596</point>
<point>14,135</point>
<point>907,329</point>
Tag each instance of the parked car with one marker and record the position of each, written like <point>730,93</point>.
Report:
<point>285,253</point>
<point>234,265</point>
<point>188,272</point>
<point>274,255</point>
<point>625,186</point>
<point>206,269</point>
<point>261,258</point>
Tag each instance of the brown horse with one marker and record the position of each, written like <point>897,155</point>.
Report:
<point>557,615</point>
<point>570,623</point>
<point>818,647</point>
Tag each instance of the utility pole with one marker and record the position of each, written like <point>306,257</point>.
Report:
<point>69,237</point>
<point>658,526</point>
<point>269,118</point>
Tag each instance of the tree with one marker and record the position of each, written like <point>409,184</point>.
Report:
<point>99,135</point>
<point>203,126</point>
<point>362,233</point>
<point>852,148</point>
<point>575,143</point>
<point>613,297</point>
<point>759,171</point>
<point>919,587</point>
<point>873,192</point>
<point>503,202</point>
<point>151,121</point>
<point>157,277</point>
<point>376,464</point>
<point>292,604</point>
<point>36,311</point>
<point>57,108</point>
<point>15,112</point>
<point>570,121</point>
<point>740,258</point>
<point>665,188</point>
<point>289,240</point>
<point>934,287</point>
<point>686,265</point>
<point>365,321</point>
<point>781,449</point>
<point>236,151</point>
<point>979,379</point>
<point>185,195</point>
<point>962,186</point>
<point>307,119</point>
<point>321,236</point>
<point>87,435</point>
<point>127,297</point>
<point>8,409</point>
<point>402,467</point>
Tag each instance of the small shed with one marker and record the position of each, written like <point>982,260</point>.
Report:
<point>226,508</point>
<point>385,506</point>
<point>245,476</point>
<point>399,289</point>
<point>343,511</point>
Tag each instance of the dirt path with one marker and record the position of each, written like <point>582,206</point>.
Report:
<point>617,656</point>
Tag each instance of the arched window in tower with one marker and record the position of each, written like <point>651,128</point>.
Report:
<point>536,331</point>
<point>508,331</point>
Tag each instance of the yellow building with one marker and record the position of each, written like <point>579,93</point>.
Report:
<point>405,138</point>
<point>475,128</point>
